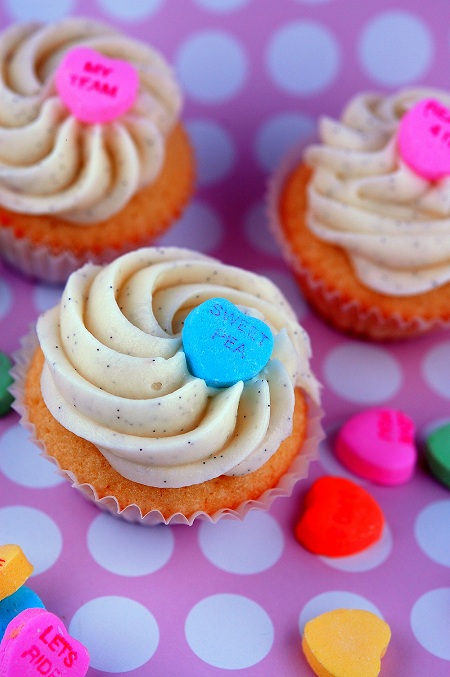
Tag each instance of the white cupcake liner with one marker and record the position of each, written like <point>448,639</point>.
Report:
<point>353,318</point>
<point>132,513</point>
<point>39,262</point>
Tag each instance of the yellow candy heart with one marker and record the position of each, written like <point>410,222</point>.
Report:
<point>346,643</point>
<point>14,569</point>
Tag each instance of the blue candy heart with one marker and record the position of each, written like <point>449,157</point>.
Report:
<point>11,606</point>
<point>223,345</point>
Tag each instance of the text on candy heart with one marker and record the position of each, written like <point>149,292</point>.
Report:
<point>241,326</point>
<point>395,426</point>
<point>39,654</point>
<point>89,83</point>
<point>440,128</point>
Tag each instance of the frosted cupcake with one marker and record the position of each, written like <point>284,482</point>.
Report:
<point>111,397</point>
<point>93,158</point>
<point>366,231</point>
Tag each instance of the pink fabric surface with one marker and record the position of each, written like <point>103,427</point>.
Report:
<point>232,598</point>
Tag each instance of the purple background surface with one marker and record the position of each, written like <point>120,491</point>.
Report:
<point>256,75</point>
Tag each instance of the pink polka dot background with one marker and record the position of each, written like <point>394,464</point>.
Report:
<point>233,598</point>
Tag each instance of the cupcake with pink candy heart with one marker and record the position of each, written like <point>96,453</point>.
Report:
<point>363,216</point>
<point>94,158</point>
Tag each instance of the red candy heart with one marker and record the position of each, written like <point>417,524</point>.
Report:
<point>340,518</point>
<point>37,643</point>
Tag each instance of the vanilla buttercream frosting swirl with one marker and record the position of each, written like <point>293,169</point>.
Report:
<point>115,372</point>
<point>50,162</point>
<point>393,223</point>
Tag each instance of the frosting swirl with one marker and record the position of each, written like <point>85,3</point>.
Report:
<point>115,372</point>
<point>393,224</point>
<point>50,162</point>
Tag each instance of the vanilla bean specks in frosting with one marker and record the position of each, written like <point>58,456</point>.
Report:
<point>115,372</point>
<point>393,224</point>
<point>50,162</point>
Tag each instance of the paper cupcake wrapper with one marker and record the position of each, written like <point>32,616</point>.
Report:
<point>39,262</point>
<point>347,315</point>
<point>132,513</point>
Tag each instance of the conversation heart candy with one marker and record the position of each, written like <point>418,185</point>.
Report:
<point>339,518</point>
<point>424,139</point>
<point>346,643</point>
<point>378,444</point>
<point>14,569</point>
<point>37,643</point>
<point>437,453</point>
<point>23,598</point>
<point>95,88</point>
<point>6,398</point>
<point>223,345</point>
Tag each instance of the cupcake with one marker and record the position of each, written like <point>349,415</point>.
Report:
<point>94,160</point>
<point>364,223</point>
<point>113,395</point>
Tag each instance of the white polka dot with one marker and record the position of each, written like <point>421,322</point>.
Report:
<point>229,631</point>
<point>127,549</point>
<point>199,228</point>
<point>212,66</point>
<point>286,283</point>
<point>214,150</point>
<point>429,622</point>
<point>430,534</point>
<point>119,633</point>
<point>46,296</point>
<point>222,6</point>
<point>44,10</point>
<point>334,599</point>
<point>35,532</point>
<point>368,559</point>
<point>6,298</point>
<point>436,369</point>
<point>396,48</point>
<point>130,11</point>
<point>246,547</point>
<point>257,231</point>
<point>303,58</point>
<point>21,462</point>
<point>278,135</point>
<point>363,373</point>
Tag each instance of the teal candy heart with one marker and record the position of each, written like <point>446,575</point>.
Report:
<point>11,606</point>
<point>223,345</point>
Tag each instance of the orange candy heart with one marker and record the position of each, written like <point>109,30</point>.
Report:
<point>14,569</point>
<point>340,518</point>
<point>346,643</point>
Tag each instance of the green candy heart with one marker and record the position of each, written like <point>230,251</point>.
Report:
<point>6,398</point>
<point>438,453</point>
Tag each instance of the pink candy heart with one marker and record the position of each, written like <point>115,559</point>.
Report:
<point>95,88</point>
<point>36,643</point>
<point>378,444</point>
<point>424,139</point>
